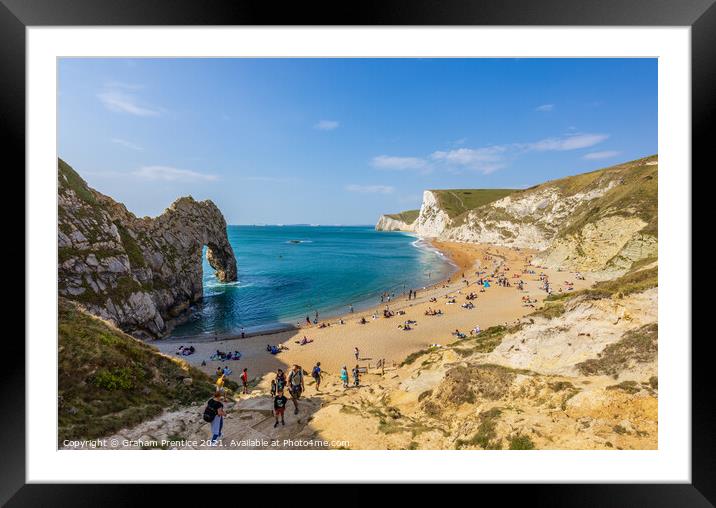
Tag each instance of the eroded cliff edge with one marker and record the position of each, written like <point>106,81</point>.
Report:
<point>604,222</point>
<point>139,273</point>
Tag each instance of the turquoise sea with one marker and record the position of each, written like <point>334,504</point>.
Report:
<point>289,272</point>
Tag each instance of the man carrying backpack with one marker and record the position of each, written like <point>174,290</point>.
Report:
<point>295,385</point>
<point>214,414</point>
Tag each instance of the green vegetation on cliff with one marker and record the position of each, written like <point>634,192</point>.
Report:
<point>635,346</point>
<point>109,380</point>
<point>634,193</point>
<point>407,216</point>
<point>632,282</point>
<point>458,201</point>
<point>75,182</point>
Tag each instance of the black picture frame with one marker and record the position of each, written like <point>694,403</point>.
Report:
<point>700,15</point>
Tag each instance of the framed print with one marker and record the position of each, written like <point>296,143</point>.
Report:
<point>444,244</point>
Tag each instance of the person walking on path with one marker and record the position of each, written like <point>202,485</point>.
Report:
<point>316,374</point>
<point>245,380</point>
<point>344,376</point>
<point>280,380</point>
<point>279,406</point>
<point>215,409</point>
<point>295,385</point>
<point>220,387</point>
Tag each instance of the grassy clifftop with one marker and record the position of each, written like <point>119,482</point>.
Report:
<point>109,380</point>
<point>407,216</point>
<point>458,201</point>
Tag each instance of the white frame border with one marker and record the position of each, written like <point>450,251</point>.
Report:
<point>670,463</point>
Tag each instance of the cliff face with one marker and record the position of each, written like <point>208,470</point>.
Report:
<point>139,273</point>
<point>387,223</point>
<point>403,221</point>
<point>603,221</point>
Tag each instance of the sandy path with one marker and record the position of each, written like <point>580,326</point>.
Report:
<point>381,338</point>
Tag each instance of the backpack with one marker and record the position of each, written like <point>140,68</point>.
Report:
<point>295,375</point>
<point>209,413</point>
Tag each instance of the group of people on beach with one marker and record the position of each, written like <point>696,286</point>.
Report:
<point>185,350</point>
<point>221,355</point>
<point>290,386</point>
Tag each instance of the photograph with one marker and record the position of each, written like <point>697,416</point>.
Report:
<point>357,253</point>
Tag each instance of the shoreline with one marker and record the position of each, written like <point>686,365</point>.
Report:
<point>384,338</point>
<point>280,327</point>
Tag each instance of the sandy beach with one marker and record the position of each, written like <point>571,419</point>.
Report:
<point>382,338</point>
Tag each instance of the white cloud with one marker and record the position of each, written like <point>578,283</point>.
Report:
<point>170,174</point>
<point>606,154</point>
<point>489,158</point>
<point>126,144</point>
<point>116,97</point>
<point>485,160</point>
<point>122,85</point>
<point>544,108</point>
<point>467,156</point>
<point>272,179</point>
<point>326,125</point>
<point>371,189</point>
<point>564,143</point>
<point>398,163</point>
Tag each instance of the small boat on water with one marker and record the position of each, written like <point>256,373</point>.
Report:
<point>294,241</point>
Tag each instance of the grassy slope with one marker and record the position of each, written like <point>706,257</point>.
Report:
<point>109,380</point>
<point>75,182</point>
<point>407,216</point>
<point>458,201</point>
<point>636,194</point>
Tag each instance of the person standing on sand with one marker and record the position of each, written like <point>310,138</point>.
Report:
<point>295,385</point>
<point>356,376</point>
<point>350,308</point>
<point>344,376</point>
<point>245,380</point>
<point>356,352</point>
<point>279,406</point>
<point>316,374</point>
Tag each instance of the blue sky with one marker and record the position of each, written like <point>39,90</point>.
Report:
<point>340,141</point>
